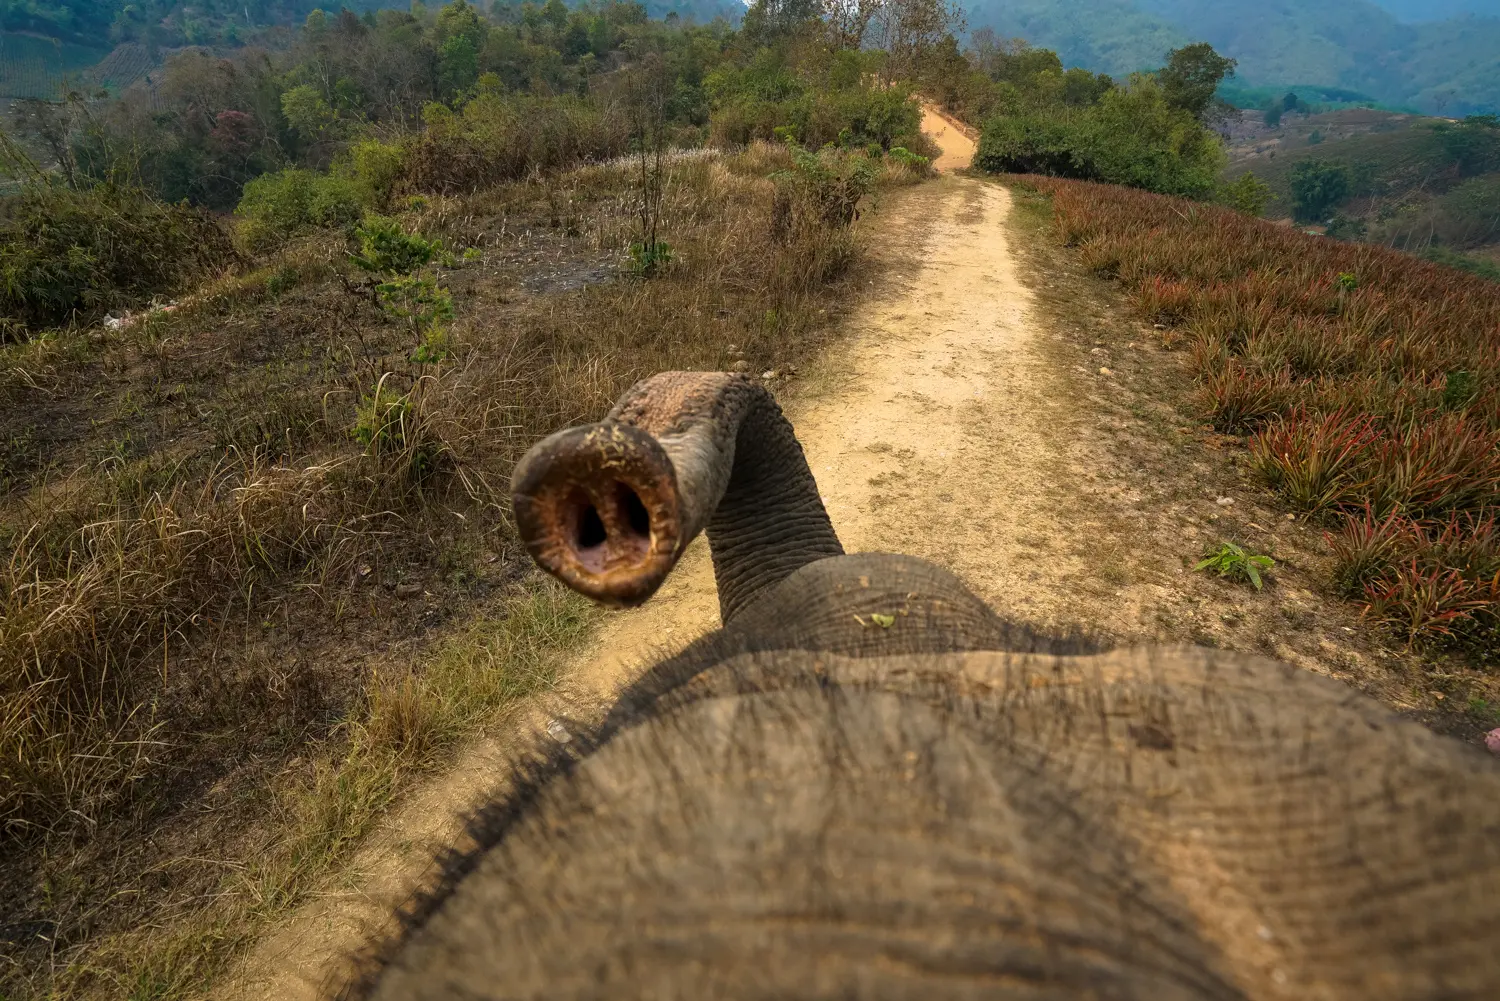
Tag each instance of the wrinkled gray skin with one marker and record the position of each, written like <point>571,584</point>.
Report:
<point>812,804</point>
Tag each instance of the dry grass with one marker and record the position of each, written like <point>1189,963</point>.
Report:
<point>223,623</point>
<point>1369,380</point>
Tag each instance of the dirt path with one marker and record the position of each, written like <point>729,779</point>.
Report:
<point>951,137</point>
<point>946,425</point>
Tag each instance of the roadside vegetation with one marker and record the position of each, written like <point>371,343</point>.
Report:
<point>256,565</point>
<point>1364,380</point>
<point>1426,186</point>
<point>1150,130</point>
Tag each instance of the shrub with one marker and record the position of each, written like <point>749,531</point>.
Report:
<point>1365,548</point>
<point>1131,136</point>
<point>1448,257</point>
<point>276,207</point>
<point>497,138</point>
<point>65,252</point>
<point>765,102</point>
<point>1231,561</point>
<point>907,158</point>
<point>1032,144</point>
<point>829,184</point>
<point>387,248</point>
<point>1317,188</point>
<point>1469,214</point>
<point>375,168</point>
<point>1246,193</point>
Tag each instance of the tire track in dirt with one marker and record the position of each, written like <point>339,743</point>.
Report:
<point>932,430</point>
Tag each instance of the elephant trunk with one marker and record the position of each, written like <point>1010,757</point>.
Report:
<point>609,508</point>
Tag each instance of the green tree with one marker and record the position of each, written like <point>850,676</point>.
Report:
<point>1191,77</point>
<point>1473,145</point>
<point>1318,186</point>
<point>307,112</point>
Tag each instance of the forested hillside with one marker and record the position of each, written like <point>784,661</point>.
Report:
<point>1449,66</point>
<point>46,46</point>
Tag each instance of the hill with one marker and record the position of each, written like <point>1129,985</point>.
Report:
<point>1404,181</point>
<point>1449,66</point>
<point>45,44</point>
<point>1414,11</point>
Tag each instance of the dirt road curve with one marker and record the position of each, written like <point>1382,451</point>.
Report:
<point>938,428</point>
<point>957,148</point>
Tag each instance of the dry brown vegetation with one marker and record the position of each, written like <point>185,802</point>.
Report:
<point>229,631</point>
<point>1360,383</point>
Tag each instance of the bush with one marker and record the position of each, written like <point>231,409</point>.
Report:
<point>65,252</point>
<point>1453,259</point>
<point>276,207</point>
<point>1469,214</point>
<point>1050,144</point>
<point>1317,188</point>
<point>375,168</point>
<point>385,247</point>
<point>1131,136</point>
<point>497,138</point>
<point>1246,193</point>
<point>827,185</point>
<point>748,105</point>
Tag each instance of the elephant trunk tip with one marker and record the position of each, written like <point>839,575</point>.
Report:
<point>598,507</point>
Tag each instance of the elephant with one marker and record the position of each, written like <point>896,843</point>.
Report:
<point>867,784</point>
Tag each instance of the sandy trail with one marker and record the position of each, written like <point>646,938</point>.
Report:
<point>951,138</point>
<point>929,433</point>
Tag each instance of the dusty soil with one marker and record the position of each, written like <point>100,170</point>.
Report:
<point>986,409</point>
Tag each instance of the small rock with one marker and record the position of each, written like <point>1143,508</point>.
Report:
<point>408,590</point>
<point>1291,517</point>
<point>1224,501</point>
<point>1098,351</point>
<point>1492,740</point>
<point>1105,371</point>
<point>771,374</point>
<point>740,366</point>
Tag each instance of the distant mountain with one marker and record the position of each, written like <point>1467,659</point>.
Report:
<point>1107,36</point>
<point>1449,66</point>
<point>1414,11</point>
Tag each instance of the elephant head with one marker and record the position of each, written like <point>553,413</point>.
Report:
<point>818,802</point>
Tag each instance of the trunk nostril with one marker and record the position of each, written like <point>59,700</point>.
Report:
<point>635,515</point>
<point>591,531</point>
<point>586,523</point>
